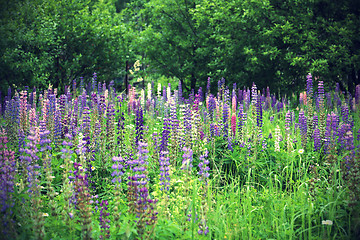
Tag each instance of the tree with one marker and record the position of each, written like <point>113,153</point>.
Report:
<point>57,41</point>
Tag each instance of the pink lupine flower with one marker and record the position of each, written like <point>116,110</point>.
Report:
<point>233,123</point>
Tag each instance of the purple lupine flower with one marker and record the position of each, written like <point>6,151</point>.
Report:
<point>203,228</point>
<point>102,106</point>
<point>212,106</point>
<point>200,94</point>
<point>137,184</point>
<point>164,94</point>
<point>212,129</point>
<point>317,140</point>
<point>259,112</point>
<point>118,166</point>
<point>335,120</point>
<point>241,119</point>
<point>7,176</point>
<point>229,144</point>
<point>240,96</point>
<point>44,133</point>
<point>57,127</point>
<point>321,93</point>
<point>225,120</point>
<point>253,94</point>
<point>303,126</point>
<point>287,122</point>
<point>85,128</point>
<point>315,121</point>
<point>110,119</point>
<point>204,168</point>
<point>328,100</point>
<point>164,163</point>
<point>139,125</point>
<point>94,104</point>
<point>94,83</point>
<point>29,160</point>
<point>187,159</point>
<point>83,101</point>
<point>341,134</point>
<point>345,113</point>
<point>165,135</point>
<point>208,86</point>
<point>349,146</point>
<point>328,133</point>
<point>99,88</point>
<point>104,220</point>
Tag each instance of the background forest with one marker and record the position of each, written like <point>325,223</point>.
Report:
<point>274,43</point>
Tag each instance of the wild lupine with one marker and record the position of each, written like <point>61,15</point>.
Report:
<point>45,155</point>
<point>345,113</point>
<point>57,127</point>
<point>67,188</point>
<point>195,121</point>
<point>303,127</point>
<point>204,175</point>
<point>187,160</point>
<point>259,113</point>
<point>164,163</point>
<point>81,189</point>
<point>241,121</point>
<point>110,127</point>
<point>204,168</point>
<point>208,86</point>
<point>225,120</point>
<point>212,106</point>
<point>137,181</point>
<point>317,140</point>
<point>200,94</point>
<point>7,176</point>
<point>309,86</point>
<point>341,134</point>
<point>118,167</point>
<point>165,135</point>
<point>102,106</point>
<point>143,206</point>
<point>104,220</point>
<point>253,94</point>
<point>287,122</point>
<point>233,124</point>
<point>94,83</point>
<point>23,112</point>
<point>29,158</point>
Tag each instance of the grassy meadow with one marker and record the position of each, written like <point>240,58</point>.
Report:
<point>243,163</point>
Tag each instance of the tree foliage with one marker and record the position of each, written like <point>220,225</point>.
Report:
<point>54,42</point>
<point>275,43</point>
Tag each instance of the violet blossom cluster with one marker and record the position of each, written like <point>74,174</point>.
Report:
<point>164,163</point>
<point>104,220</point>
<point>204,167</point>
<point>7,176</point>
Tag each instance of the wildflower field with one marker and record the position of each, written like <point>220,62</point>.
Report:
<point>243,163</point>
